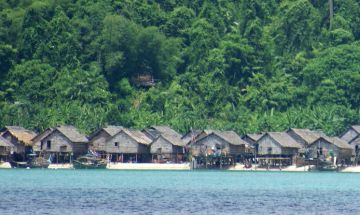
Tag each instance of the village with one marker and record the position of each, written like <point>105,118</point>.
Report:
<point>161,147</point>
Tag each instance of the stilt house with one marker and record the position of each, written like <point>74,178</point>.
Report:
<point>20,138</point>
<point>352,137</point>
<point>168,146</point>
<point>277,148</point>
<point>97,140</point>
<point>252,139</point>
<point>128,145</point>
<point>330,147</point>
<point>63,144</point>
<point>218,143</point>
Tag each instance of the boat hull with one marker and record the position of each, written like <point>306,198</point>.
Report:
<point>80,165</point>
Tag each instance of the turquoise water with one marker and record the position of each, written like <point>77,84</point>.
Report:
<point>177,192</point>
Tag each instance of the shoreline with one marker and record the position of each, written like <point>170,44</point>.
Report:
<point>186,167</point>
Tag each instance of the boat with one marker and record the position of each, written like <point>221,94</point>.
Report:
<point>89,162</point>
<point>325,166</point>
<point>34,162</point>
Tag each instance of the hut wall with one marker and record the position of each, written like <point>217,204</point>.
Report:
<point>162,145</point>
<point>5,150</point>
<point>36,146</point>
<point>265,143</point>
<point>349,135</point>
<point>80,148</point>
<point>207,143</point>
<point>98,143</point>
<point>126,145</point>
<point>237,149</point>
<point>59,143</point>
<point>289,151</point>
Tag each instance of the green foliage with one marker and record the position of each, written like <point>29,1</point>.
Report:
<point>248,65</point>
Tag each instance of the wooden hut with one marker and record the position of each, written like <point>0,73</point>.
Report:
<point>6,147</point>
<point>168,147</point>
<point>304,137</point>
<point>352,137</point>
<point>128,145</point>
<point>63,144</point>
<point>252,139</point>
<point>97,140</point>
<point>36,141</point>
<point>277,148</point>
<point>223,147</point>
<point>20,138</point>
<point>330,147</point>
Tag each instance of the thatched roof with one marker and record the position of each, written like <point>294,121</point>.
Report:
<point>284,139</point>
<point>356,128</point>
<point>254,137</point>
<point>137,135</point>
<point>4,142</point>
<point>111,130</point>
<point>342,144</point>
<point>42,135</point>
<point>21,134</point>
<point>72,133</point>
<point>229,136</point>
<point>170,135</point>
<point>307,135</point>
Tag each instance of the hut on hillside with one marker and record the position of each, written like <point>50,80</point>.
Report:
<point>128,145</point>
<point>331,148</point>
<point>218,148</point>
<point>97,140</point>
<point>20,138</point>
<point>168,147</point>
<point>277,149</point>
<point>63,144</point>
<point>6,147</point>
<point>352,137</point>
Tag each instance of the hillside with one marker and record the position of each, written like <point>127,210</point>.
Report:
<point>246,65</point>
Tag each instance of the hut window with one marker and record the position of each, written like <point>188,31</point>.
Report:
<point>48,144</point>
<point>116,143</point>
<point>269,150</point>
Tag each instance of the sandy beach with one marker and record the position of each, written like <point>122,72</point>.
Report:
<point>148,166</point>
<point>61,166</point>
<point>241,167</point>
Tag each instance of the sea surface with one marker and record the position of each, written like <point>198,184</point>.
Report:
<point>177,192</point>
